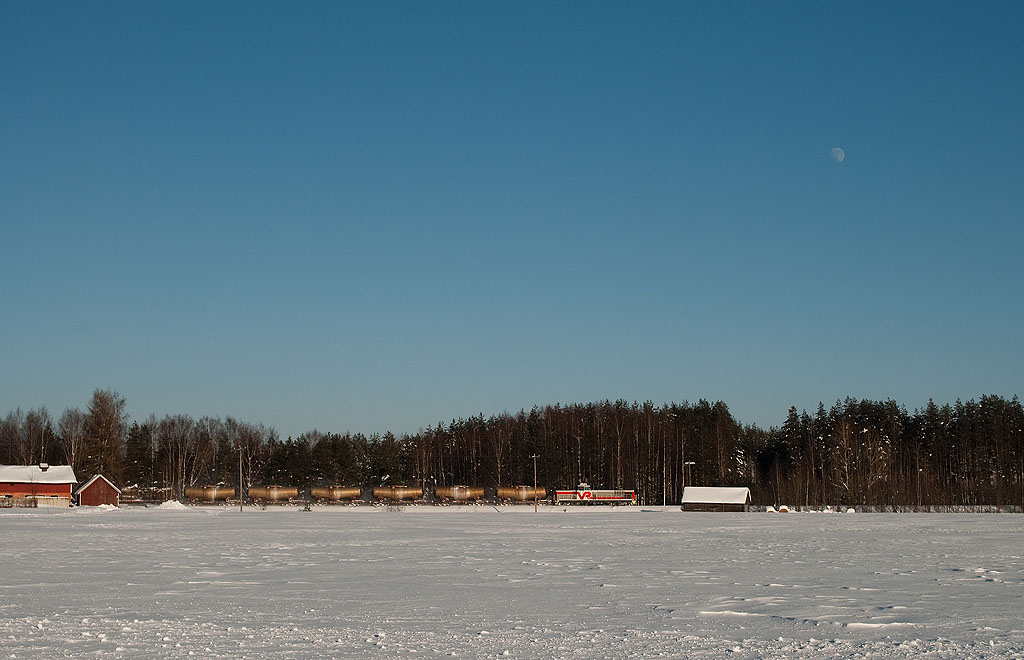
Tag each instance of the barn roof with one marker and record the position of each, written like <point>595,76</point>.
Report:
<point>34,474</point>
<point>94,478</point>
<point>716,495</point>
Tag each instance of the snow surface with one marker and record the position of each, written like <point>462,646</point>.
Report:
<point>486,582</point>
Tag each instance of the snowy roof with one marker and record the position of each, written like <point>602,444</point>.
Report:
<point>94,478</point>
<point>34,474</point>
<point>715,495</point>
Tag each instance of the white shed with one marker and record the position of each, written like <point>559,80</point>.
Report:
<point>716,498</point>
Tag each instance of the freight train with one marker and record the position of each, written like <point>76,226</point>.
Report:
<point>583,494</point>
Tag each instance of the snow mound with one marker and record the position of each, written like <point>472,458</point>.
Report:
<point>172,504</point>
<point>94,510</point>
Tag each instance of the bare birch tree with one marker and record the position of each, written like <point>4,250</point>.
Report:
<point>71,435</point>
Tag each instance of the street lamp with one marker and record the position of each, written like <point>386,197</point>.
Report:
<point>686,467</point>
<point>664,469</point>
<point>240,496</point>
<point>534,457</point>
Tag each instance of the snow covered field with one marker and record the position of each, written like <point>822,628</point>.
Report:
<point>505,582</point>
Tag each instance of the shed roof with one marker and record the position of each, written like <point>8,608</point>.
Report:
<point>94,478</point>
<point>34,474</point>
<point>716,495</point>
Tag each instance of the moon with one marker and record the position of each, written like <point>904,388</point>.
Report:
<point>838,154</point>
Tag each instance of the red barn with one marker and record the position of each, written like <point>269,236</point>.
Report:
<point>97,491</point>
<point>36,484</point>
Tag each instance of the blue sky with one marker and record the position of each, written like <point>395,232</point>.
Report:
<point>384,215</point>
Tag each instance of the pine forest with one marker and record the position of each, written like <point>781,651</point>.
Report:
<point>854,452</point>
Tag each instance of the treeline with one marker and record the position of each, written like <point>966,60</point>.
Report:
<point>856,452</point>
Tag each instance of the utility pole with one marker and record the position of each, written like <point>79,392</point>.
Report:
<point>534,457</point>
